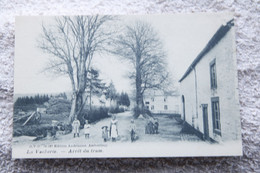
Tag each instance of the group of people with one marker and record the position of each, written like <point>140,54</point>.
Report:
<point>151,127</point>
<point>76,128</point>
<point>112,132</point>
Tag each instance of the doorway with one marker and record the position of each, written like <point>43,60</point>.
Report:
<point>205,121</point>
<point>183,106</point>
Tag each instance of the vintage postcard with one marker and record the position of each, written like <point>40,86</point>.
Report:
<point>126,86</point>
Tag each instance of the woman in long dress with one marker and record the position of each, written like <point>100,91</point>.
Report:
<point>114,128</point>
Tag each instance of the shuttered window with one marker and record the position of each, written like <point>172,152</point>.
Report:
<point>216,115</point>
<point>213,74</point>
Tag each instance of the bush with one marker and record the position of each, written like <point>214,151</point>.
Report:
<point>40,130</point>
<point>116,109</point>
<point>32,130</point>
<point>95,115</point>
<point>25,108</point>
<point>57,106</point>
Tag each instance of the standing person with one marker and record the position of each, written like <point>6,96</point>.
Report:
<point>53,132</point>
<point>86,129</point>
<point>54,128</point>
<point>114,128</point>
<point>132,130</point>
<point>150,125</point>
<point>105,133</point>
<point>75,127</point>
<point>156,126</point>
<point>146,126</point>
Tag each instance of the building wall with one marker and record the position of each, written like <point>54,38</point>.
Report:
<point>99,101</point>
<point>226,90</point>
<point>158,102</point>
<point>187,88</point>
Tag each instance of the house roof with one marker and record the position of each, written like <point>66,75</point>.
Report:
<point>221,32</point>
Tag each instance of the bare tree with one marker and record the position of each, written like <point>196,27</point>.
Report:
<point>72,42</point>
<point>140,45</point>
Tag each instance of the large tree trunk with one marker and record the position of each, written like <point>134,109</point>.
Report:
<point>77,101</point>
<point>139,99</point>
<point>139,96</point>
<point>90,100</point>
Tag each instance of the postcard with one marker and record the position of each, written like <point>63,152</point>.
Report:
<point>114,86</point>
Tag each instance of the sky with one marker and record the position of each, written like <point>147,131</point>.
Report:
<point>183,37</point>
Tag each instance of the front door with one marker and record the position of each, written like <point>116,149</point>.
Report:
<point>183,107</point>
<point>205,121</point>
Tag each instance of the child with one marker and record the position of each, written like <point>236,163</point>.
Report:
<point>75,127</point>
<point>87,129</point>
<point>105,133</point>
<point>54,129</point>
<point>53,132</point>
<point>132,130</point>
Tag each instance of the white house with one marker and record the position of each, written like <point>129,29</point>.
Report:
<point>208,88</point>
<point>101,101</point>
<point>162,103</point>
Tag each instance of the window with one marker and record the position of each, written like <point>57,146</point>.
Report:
<point>164,99</point>
<point>213,74</point>
<point>165,107</point>
<point>152,107</point>
<point>152,99</point>
<point>216,115</point>
<point>147,107</point>
<point>147,103</point>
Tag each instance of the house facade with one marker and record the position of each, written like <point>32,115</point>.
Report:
<point>162,103</point>
<point>209,94</point>
<point>100,101</point>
